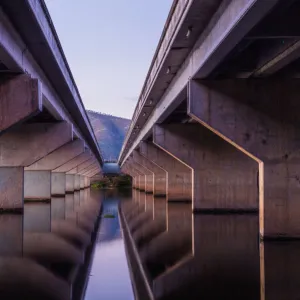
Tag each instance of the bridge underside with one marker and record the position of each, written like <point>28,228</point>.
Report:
<point>223,134</point>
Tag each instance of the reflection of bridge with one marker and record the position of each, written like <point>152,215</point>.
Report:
<point>217,119</point>
<point>47,144</point>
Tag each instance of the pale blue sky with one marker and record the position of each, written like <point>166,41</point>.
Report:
<point>109,45</point>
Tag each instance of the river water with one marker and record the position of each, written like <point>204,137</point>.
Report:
<point>206,256</point>
<point>55,249</point>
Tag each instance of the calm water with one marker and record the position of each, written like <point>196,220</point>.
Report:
<point>208,256</point>
<point>109,276</point>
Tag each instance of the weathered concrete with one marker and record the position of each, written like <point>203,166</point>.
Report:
<point>259,117</point>
<point>24,145</point>
<point>149,175</point>
<point>179,176</point>
<point>58,184</point>
<point>21,98</point>
<point>37,185</point>
<point>82,182</point>
<point>70,180</point>
<point>160,175</point>
<point>223,177</point>
<point>74,162</point>
<point>58,157</point>
<point>11,188</point>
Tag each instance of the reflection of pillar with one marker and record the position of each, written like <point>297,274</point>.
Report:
<point>37,217</point>
<point>224,262</point>
<point>58,209</point>
<point>281,270</point>
<point>11,234</point>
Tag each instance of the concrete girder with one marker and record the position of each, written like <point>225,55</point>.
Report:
<point>93,172</point>
<point>160,175</point>
<point>26,144</point>
<point>224,178</point>
<point>74,162</point>
<point>89,168</point>
<point>21,98</point>
<point>179,176</point>
<point>58,157</point>
<point>82,166</point>
<point>260,118</point>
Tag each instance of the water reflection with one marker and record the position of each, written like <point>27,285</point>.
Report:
<point>43,250</point>
<point>207,256</point>
<point>109,276</point>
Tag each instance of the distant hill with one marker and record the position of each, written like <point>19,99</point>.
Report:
<point>110,132</point>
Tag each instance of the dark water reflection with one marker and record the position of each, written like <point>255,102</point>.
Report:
<point>43,250</point>
<point>207,256</point>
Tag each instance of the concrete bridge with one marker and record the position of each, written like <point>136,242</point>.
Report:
<point>47,145</point>
<point>217,121</point>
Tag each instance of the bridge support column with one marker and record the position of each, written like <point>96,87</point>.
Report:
<point>134,176</point>
<point>141,180</point>
<point>70,183</point>
<point>260,118</point>
<point>160,175</point>
<point>58,184</point>
<point>149,175</point>
<point>179,176</point>
<point>224,178</point>
<point>37,185</point>
<point>82,182</point>
<point>76,182</point>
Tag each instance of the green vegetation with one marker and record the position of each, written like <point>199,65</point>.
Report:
<point>122,181</point>
<point>109,216</point>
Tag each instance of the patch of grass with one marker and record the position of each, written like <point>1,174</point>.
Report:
<point>109,216</point>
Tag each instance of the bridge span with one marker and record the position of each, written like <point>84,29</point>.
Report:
<point>47,145</point>
<point>217,121</point>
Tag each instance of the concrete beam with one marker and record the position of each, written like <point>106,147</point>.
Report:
<point>179,179</point>
<point>58,157</point>
<point>74,162</point>
<point>82,166</point>
<point>259,117</point>
<point>93,173</point>
<point>89,168</point>
<point>160,175</point>
<point>223,177</point>
<point>24,145</point>
<point>149,175</point>
<point>21,98</point>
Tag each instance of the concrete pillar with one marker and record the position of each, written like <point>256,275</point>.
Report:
<point>82,182</point>
<point>70,183</point>
<point>160,175</point>
<point>139,174</point>
<point>223,177</point>
<point>11,188</point>
<point>126,170</point>
<point>260,118</point>
<point>37,185</point>
<point>149,175</point>
<point>58,184</point>
<point>179,176</point>
<point>76,182</point>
